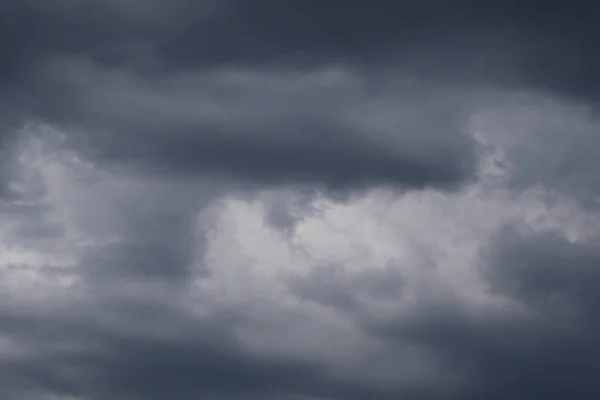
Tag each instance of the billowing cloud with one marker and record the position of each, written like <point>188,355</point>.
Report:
<point>298,200</point>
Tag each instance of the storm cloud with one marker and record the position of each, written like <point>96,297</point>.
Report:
<point>299,200</point>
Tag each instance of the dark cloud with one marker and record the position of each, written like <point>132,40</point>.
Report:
<point>549,273</point>
<point>300,200</point>
<point>550,47</point>
<point>127,350</point>
<point>510,42</point>
<point>554,280</point>
<point>322,127</point>
<point>484,41</point>
<point>543,345</point>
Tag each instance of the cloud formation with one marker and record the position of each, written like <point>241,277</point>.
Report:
<point>298,200</point>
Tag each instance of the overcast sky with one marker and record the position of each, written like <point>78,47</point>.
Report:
<point>299,200</point>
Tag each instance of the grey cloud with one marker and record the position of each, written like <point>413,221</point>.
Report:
<point>554,279</point>
<point>330,127</point>
<point>548,272</point>
<point>544,348</point>
<point>177,104</point>
<point>510,42</point>
<point>471,38</point>
<point>130,336</point>
<point>329,286</point>
<point>505,42</point>
<point>548,143</point>
<point>134,356</point>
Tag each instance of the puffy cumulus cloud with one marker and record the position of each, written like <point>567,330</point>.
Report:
<point>298,200</point>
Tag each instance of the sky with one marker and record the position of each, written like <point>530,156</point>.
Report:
<point>299,200</point>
